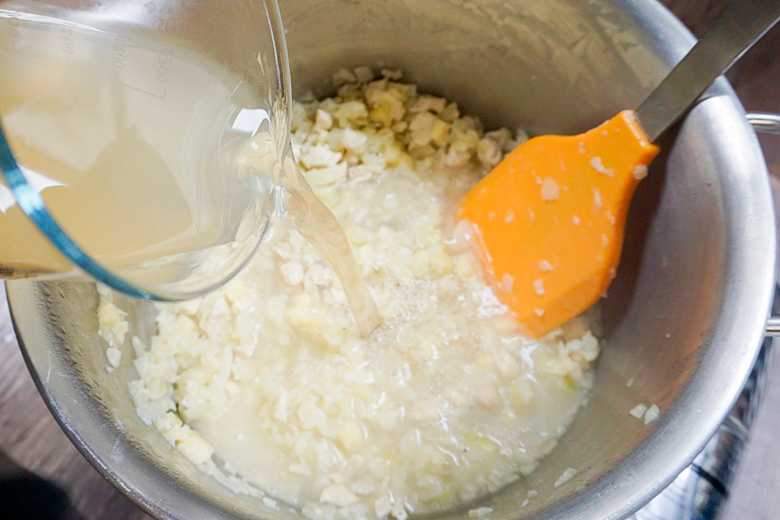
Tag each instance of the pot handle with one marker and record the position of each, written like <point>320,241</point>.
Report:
<point>764,122</point>
<point>773,326</point>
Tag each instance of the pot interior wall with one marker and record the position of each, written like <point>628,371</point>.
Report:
<point>553,66</point>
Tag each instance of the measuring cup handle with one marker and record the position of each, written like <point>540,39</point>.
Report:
<point>768,123</point>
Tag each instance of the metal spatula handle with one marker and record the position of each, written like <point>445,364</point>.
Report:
<point>742,24</point>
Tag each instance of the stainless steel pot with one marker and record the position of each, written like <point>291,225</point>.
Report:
<point>683,320</point>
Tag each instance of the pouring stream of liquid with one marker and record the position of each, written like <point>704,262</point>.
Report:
<point>317,224</point>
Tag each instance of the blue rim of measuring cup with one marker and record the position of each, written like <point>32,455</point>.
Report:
<point>32,204</point>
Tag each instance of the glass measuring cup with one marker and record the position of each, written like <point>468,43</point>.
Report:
<point>126,120</point>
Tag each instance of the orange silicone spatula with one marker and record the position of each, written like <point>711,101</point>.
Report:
<point>548,220</point>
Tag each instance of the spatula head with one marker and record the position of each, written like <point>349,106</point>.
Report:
<point>548,220</point>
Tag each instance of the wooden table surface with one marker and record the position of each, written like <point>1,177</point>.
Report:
<point>33,446</point>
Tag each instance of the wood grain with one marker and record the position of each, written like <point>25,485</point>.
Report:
<point>31,442</point>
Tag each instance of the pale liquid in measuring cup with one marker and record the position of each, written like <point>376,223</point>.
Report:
<point>109,133</point>
<point>122,141</point>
